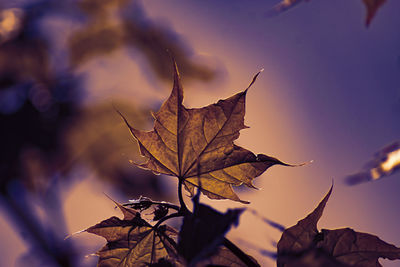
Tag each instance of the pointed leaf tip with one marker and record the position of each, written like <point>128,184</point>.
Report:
<point>254,79</point>
<point>176,70</point>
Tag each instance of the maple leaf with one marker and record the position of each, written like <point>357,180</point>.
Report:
<point>133,241</point>
<point>304,245</point>
<point>372,6</point>
<point>196,145</point>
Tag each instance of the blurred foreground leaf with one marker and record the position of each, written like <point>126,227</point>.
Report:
<point>203,231</point>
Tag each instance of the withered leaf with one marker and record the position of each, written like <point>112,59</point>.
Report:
<point>304,245</point>
<point>196,145</point>
<point>372,6</point>
<point>133,241</point>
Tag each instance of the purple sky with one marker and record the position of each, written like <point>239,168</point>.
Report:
<point>330,93</point>
<point>334,83</point>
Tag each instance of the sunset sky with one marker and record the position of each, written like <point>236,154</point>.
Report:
<point>329,93</point>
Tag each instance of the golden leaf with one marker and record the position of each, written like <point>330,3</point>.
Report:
<point>196,145</point>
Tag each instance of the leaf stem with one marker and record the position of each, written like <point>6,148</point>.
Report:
<point>239,253</point>
<point>183,209</point>
<point>172,215</point>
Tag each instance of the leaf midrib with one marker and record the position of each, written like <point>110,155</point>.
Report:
<point>212,140</point>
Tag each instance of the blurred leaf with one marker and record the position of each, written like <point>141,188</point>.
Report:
<point>134,242</point>
<point>99,140</point>
<point>117,24</point>
<point>93,41</point>
<point>100,9</point>
<point>284,5</point>
<point>203,231</point>
<point>372,7</point>
<point>196,145</point>
<point>32,96</point>
<point>304,245</point>
<point>157,43</point>
<point>384,163</point>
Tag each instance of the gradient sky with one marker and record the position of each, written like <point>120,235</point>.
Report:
<point>330,92</point>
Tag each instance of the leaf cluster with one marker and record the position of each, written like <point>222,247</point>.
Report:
<point>197,146</point>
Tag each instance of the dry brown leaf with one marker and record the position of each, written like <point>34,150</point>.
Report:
<point>304,245</point>
<point>197,144</point>
<point>134,242</point>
